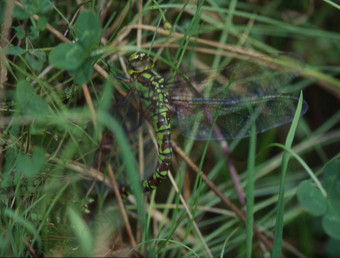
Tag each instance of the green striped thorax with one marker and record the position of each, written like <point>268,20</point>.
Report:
<point>149,84</point>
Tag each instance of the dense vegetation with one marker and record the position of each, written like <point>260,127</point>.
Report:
<point>70,133</point>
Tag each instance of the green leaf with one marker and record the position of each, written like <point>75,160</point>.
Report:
<point>30,103</point>
<point>39,158</point>
<point>24,165</point>
<point>42,22</point>
<point>19,32</point>
<point>68,56</point>
<point>20,13</point>
<point>333,248</point>
<point>16,51</point>
<point>311,198</point>
<point>87,29</point>
<point>40,6</point>
<point>332,178</point>
<point>10,157</point>
<point>46,5</point>
<point>84,73</point>
<point>34,63</point>
<point>75,57</point>
<point>33,33</point>
<point>331,221</point>
<point>37,128</point>
<point>31,167</point>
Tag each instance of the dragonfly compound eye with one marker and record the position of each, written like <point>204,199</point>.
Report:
<point>139,62</point>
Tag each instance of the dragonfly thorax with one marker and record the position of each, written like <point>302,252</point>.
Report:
<point>139,62</point>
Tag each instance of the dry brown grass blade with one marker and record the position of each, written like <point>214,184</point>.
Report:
<point>115,187</point>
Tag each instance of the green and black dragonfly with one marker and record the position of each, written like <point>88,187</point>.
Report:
<point>251,100</point>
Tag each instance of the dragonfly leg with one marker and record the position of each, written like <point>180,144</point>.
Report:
<point>125,99</point>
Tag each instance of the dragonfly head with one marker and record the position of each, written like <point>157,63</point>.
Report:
<point>139,62</point>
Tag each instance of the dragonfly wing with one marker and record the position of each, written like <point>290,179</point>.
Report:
<point>235,116</point>
<point>254,76</point>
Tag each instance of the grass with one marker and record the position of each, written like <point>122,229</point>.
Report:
<point>66,143</point>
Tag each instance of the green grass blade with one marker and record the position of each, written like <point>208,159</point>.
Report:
<point>250,190</point>
<point>277,245</point>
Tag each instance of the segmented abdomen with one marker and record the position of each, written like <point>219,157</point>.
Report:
<point>150,87</point>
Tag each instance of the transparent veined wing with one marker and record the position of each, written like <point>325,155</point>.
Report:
<point>235,116</point>
<point>254,76</point>
<point>256,95</point>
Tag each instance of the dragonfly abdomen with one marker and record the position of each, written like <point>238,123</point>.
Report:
<point>157,99</point>
<point>161,125</point>
<point>150,87</point>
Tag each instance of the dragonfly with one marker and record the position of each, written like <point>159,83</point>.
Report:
<point>250,101</point>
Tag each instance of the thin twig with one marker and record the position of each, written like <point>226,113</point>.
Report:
<point>115,187</point>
